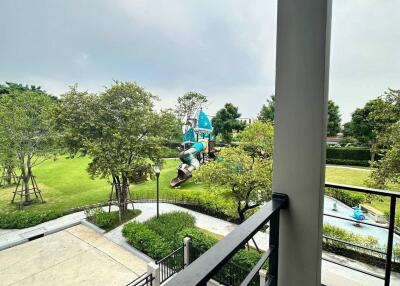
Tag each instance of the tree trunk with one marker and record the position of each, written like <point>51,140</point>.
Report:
<point>240,212</point>
<point>25,184</point>
<point>121,189</point>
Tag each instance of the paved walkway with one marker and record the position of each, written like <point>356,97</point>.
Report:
<point>75,256</point>
<point>332,274</point>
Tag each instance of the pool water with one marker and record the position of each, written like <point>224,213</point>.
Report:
<point>347,212</point>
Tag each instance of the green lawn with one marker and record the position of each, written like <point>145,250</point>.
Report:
<point>65,184</point>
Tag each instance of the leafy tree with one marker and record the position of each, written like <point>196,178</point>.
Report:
<point>226,121</point>
<point>27,134</point>
<point>188,104</point>
<point>245,179</point>
<point>369,124</point>
<point>267,112</point>
<point>258,139</point>
<point>118,129</point>
<point>333,119</point>
<point>388,168</point>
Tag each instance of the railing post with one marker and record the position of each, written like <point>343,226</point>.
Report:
<point>263,277</point>
<point>154,270</point>
<point>273,244</point>
<point>186,251</point>
<point>389,249</point>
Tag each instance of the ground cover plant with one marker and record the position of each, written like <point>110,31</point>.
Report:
<point>109,220</point>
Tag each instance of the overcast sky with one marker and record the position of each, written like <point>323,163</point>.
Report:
<point>224,49</point>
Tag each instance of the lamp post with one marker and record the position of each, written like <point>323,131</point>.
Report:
<point>158,171</point>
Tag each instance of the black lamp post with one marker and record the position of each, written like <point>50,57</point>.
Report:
<point>158,171</point>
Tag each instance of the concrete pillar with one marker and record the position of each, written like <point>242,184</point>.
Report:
<point>154,269</point>
<point>186,251</point>
<point>302,64</point>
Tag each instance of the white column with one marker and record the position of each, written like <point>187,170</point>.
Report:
<point>263,277</point>
<point>186,251</point>
<point>302,64</point>
<point>154,269</point>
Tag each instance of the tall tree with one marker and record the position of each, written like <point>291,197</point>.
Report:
<point>188,104</point>
<point>118,129</point>
<point>333,119</point>
<point>245,179</point>
<point>369,123</point>
<point>26,130</point>
<point>267,113</point>
<point>226,121</point>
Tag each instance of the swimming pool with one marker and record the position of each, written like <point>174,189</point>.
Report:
<point>347,212</point>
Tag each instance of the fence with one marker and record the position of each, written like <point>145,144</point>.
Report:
<point>171,264</point>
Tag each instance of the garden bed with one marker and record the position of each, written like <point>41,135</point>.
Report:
<point>159,237</point>
<point>109,220</point>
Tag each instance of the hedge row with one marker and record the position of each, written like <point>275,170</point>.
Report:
<point>355,156</point>
<point>363,163</point>
<point>23,219</point>
<point>347,197</point>
<point>367,256</point>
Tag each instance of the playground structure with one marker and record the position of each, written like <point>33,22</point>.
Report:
<point>199,137</point>
<point>358,214</point>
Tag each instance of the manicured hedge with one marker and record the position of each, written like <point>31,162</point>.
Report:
<point>23,219</point>
<point>348,156</point>
<point>363,163</point>
<point>347,197</point>
<point>359,254</point>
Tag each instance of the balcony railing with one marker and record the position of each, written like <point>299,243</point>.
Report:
<point>211,262</point>
<point>388,253</point>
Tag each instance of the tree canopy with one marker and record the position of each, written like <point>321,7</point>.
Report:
<point>118,129</point>
<point>267,112</point>
<point>27,134</point>
<point>188,104</point>
<point>226,121</point>
<point>245,179</point>
<point>334,119</point>
<point>257,139</point>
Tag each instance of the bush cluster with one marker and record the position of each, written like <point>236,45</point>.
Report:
<point>159,237</point>
<point>348,156</point>
<point>23,219</point>
<point>355,252</point>
<point>106,220</point>
<point>347,197</point>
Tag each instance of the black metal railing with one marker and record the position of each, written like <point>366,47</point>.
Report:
<point>213,260</point>
<point>231,274</point>
<point>171,264</point>
<point>388,253</point>
<point>144,280</point>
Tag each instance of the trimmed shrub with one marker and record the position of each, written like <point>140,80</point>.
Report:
<point>347,197</point>
<point>145,240</point>
<point>355,156</point>
<point>167,226</point>
<point>24,219</point>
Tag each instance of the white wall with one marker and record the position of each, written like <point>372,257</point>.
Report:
<point>300,134</point>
